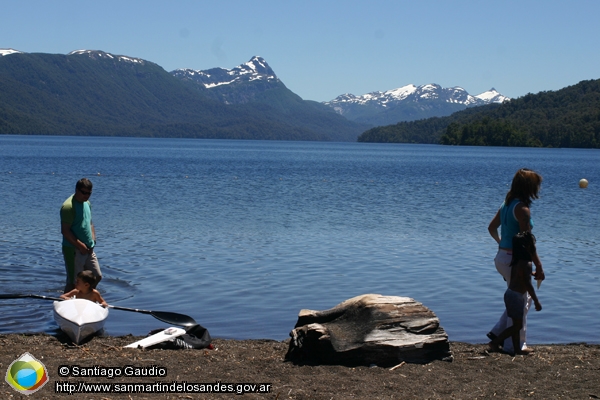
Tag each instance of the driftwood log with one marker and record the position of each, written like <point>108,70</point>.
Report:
<point>369,329</point>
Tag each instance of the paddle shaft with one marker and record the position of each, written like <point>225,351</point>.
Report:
<point>168,317</point>
<point>130,309</point>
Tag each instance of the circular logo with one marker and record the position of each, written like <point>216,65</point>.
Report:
<point>26,374</point>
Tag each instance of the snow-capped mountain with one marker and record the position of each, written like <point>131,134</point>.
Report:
<point>409,102</point>
<point>256,69</point>
<point>245,83</point>
<point>417,94</point>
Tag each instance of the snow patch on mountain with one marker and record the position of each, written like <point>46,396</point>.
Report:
<point>5,52</point>
<point>401,93</point>
<point>375,97</point>
<point>102,54</point>
<point>492,96</point>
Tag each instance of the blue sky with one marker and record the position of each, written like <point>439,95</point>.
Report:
<point>321,49</point>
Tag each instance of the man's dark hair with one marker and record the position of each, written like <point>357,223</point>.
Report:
<point>84,183</point>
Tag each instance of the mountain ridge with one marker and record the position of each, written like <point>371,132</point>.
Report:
<point>92,92</point>
<point>255,69</point>
<point>409,103</point>
<point>251,93</point>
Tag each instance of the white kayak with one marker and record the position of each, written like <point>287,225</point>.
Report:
<point>79,318</point>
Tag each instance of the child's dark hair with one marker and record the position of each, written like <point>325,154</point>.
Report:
<point>523,246</point>
<point>87,277</point>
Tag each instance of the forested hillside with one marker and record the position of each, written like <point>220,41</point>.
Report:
<point>569,117</point>
<point>97,93</point>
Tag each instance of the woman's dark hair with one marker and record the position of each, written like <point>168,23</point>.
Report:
<point>525,187</point>
<point>523,246</point>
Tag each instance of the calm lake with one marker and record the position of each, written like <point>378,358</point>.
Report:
<point>241,235</point>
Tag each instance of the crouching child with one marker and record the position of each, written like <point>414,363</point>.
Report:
<point>84,289</point>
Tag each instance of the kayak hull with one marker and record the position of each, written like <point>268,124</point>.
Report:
<point>79,318</point>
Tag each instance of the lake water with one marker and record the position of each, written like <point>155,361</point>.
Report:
<point>241,235</point>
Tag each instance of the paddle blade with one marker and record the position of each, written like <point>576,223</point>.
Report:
<point>13,296</point>
<point>33,296</point>
<point>174,318</point>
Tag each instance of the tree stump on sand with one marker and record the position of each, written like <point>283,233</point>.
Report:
<point>369,329</point>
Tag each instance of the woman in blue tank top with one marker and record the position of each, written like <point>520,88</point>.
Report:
<point>514,216</point>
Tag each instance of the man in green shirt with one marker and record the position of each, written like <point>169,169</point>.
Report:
<point>79,236</point>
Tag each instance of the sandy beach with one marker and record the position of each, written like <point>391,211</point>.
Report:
<point>257,368</point>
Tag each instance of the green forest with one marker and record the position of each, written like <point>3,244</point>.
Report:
<point>569,117</point>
